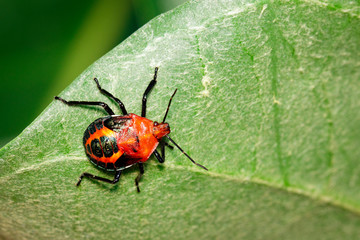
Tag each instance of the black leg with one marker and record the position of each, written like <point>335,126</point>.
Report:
<point>168,145</point>
<point>91,176</point>
<point>137,179</point>
<point>103,91</point>
<point>159,158</point>
<point>76,103</point>
<point>147,91</point>
<point>162,147</point>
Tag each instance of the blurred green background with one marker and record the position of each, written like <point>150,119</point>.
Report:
<point>45,45</point>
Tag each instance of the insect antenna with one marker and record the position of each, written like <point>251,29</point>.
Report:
<point>192,160</point>
<point>167,110</point>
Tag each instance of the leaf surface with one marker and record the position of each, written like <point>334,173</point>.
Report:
<point>267,100</point>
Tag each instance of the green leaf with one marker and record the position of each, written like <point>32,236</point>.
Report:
<point>267,100</point>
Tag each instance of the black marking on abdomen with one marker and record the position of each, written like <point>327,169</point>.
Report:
<point>120,163</point>
<point>88,149</point>
<point>114,144</point>
<point>110,166</point>
<point>86,136</point>
<point>125,161</point>
<point>101,164</point>
<point>96,148</point>
<point>106,146</point>
<point>92,160</point>
<point>99,124</point>
<point>117,124</point>
<point>91,128</point>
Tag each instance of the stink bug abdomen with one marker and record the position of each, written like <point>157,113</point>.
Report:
<point>101,145</point>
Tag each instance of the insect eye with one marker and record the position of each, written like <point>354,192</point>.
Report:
<point>156,123</point>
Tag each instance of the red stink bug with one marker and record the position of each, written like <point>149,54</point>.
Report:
<point>116,142</point>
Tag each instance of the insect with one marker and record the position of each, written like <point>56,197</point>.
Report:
<point>116,142</point>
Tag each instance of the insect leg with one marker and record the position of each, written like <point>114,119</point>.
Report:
<point>137,179</point>
<point>103,91</point>
<point>76,103</point>
<point>91,176</point>
<point>159,158</point>
<point>168,145</point>
<point>147,91</point>
<point>162,147</point>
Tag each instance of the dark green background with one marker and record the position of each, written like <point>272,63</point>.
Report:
<point>46,44</point>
